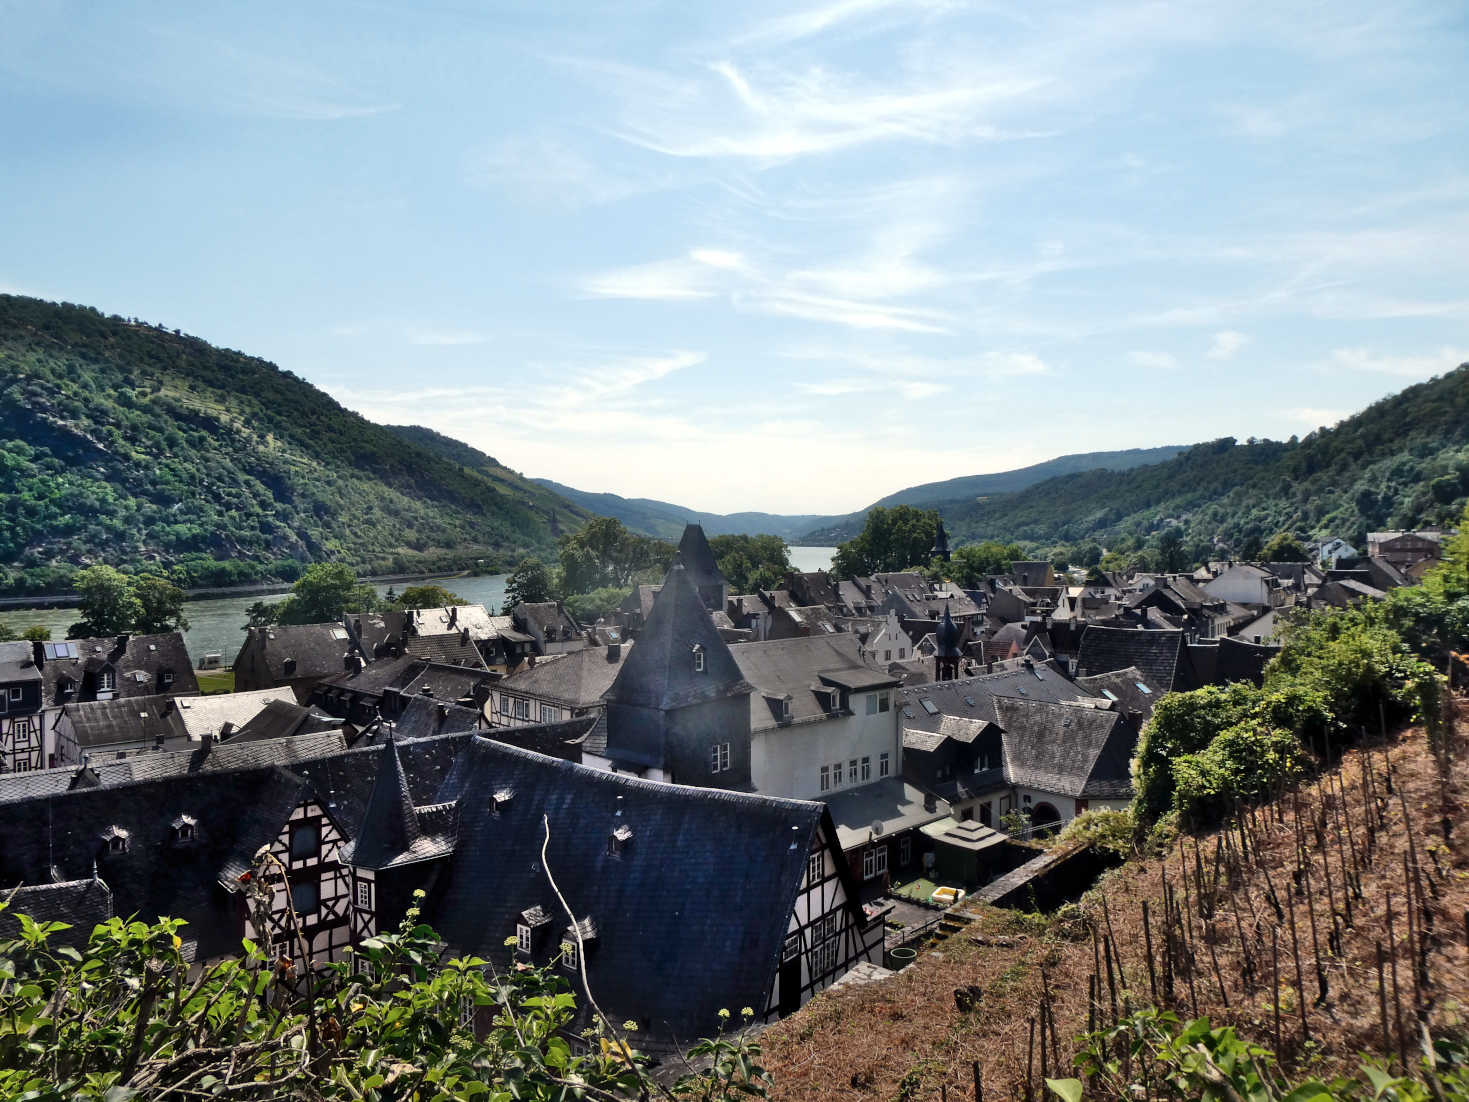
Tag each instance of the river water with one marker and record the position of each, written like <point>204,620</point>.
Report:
<point>217,626</point>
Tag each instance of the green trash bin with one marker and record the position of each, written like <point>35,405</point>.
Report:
<point>901,957</point>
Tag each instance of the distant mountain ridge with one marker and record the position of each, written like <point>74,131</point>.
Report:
<point>666,520</point>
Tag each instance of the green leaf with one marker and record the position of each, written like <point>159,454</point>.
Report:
<point>1068,1090</point>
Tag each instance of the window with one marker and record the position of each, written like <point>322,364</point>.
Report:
<point>852,771</point>
<point>905,849</point>
<point>364,894</point>
<point>522,709</point>
<point>836,774</point>
<point>107,681</point>
<point>15,695</point>
<point>306,897</point>
<point>548,714</point>
<point>872,704</point>
<point>867,769</point>
<point>568,952</point>
<point>305,842</point>
<point>815,866</point>
<point>792,947</point>
<point>698,659</point>
<point>929,706</point>
<point>22,765</point>
<point>874,861</point>
<point>902,653</point>
<point>522,937</point>
<point>185,829</point>
<point>882,765</point>
<point>167,678</point>
<point>826,778</point>
<point>617,841</point>
<point>887,656</point>
<point>719,757</point>
<point>1143,688</point>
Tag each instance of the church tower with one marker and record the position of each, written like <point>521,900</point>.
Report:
<point>940,549</point>
<point>946,656</point>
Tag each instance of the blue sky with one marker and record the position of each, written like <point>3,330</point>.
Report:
<point>779,257</point>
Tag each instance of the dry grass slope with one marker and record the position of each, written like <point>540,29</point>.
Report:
<point>1324,875</point>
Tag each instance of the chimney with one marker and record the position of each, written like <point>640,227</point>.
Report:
<point>930,802</point>
<point>464,637</point>
<point>614,652</point>
<point>288,667</point>
<point>454,617</point>
<point>426,689</point>
<point>392,701</point>
<point>38,653</point>
<point>530,661</point>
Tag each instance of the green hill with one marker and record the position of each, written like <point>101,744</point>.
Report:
<point>1402,461</point>
<point>127,443</point>
<point>955,493</point>
<point>666,521</point>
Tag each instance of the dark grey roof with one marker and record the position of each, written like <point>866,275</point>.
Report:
<point>318,650</point>
<point>1240,660</point>
<point>138,661</point>
<point>424,716</point>
<point>892,802</point>
<point>392,830</point>
<point>659,672</point>
<point>974,697</point>
<point>697,558</point>
<point>279,719</point>
<point>566,739</point>
<point>1125,687</point>
<point>101,723</point>
<point>1074,750</point>
<point>691,914</point>
<point>947,636</point>
<point>82,904</point>
<point>798,668</point>
<point>17,663</point>
<point>452,649</point>
<point>579,679</point>
<point>1161,654</point>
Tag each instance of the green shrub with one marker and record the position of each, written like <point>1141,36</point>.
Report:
<point>1109,831</point>
<point>1245,762</point>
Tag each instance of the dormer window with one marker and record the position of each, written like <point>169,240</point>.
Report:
<point>698,652</point>
<point>107,681</point>
<point>618,840</point>
<point>500,801</point>
<point>578,941</point>
<point>167,678</point>
<point>528,930</point>
<point>115,840</point>
<point>185,830</point>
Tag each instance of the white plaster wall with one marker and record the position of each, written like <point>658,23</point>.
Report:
<point>787,761</point>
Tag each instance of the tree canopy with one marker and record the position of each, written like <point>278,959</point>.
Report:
<point>970,564</point>
<point>749,563</point>
<point>896,538</point>
<point>325,592</point>
<point>604,553</point>
<point>427,596</point>
<point>1284,547</point>
<point>114,603</point>
<point>530,583</point>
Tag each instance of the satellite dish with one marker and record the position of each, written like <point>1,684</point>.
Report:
<point>876,828</point>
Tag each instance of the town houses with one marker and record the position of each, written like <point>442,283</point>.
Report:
<point>741,786</point>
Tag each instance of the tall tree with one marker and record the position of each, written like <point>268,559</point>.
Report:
<point>972,562</point>
<point>1284,547</point>
<point>603,552</point>
<point>749,563</point>
<point>161,606</point>
<point>530,583</point>
<point>1171,554</point>
<point>427,596</point>
<point>109,604</point>
<point>324,593</point>
<point>893,538</point>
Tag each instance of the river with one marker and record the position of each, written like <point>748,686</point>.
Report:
<point>217,626</point>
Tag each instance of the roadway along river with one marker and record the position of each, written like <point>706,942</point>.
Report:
<point>217,626</point>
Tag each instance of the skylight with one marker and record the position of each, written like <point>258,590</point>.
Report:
<point>339,633</point>
<point>929,706</point>
<point>1143,688</point>
<point>969,700</point>
<point>1108,694</point>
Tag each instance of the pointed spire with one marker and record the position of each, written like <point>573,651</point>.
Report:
<point>390,825</point>
<point>947,636</point>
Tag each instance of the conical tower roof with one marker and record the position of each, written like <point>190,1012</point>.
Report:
<point>947,636</point>
<point>660,671</point>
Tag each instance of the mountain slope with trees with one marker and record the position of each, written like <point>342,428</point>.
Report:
<point>666,521</point>
<point>124,442</point>
<point>1401,462</point>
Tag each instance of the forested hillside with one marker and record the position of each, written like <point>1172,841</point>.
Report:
<point>1402,461</point>
<point>127,443</point>
<point>667,521</point>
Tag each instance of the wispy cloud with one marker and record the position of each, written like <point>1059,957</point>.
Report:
<point>1153,361</point>
<point>1319,418</point>
<point>1410,367</point>
<point>797,25</point>
<point>1226,343</point>
<point>658,281</point>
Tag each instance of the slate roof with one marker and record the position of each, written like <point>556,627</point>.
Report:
<point>128,655</point>
<point>947,636</point>
<point>451,649</point>
<point>892,801</point>
<point>424,716</point>
<point>451,620</point>
<point>1161,654</point>
<point>17,663</point>
<point>659,671</point>
<point>1240,660</point>
<point>205,715</point>
<point>102,723</point>
<point>578,680</point>
<point>1121,686</point>
<point>798,668</point>
<point>1075,750</point>
<point>318,650</point>
<point>698,559</point>
<point>690,916</point>
<point>393,832</point>
<point>281,719</point>
<point>1041,681</point>
<point>82,904</point>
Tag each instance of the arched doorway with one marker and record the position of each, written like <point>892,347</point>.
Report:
<point>1044,818</point>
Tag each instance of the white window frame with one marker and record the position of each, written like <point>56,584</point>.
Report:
<point>836,774</point>
<point>548,713</point>
<point>364,895</point>
<point>867,768</point>
<point>884,763</point>
<point>522,708</point>
<point>107,681</point>
<point>874,861</point>
<point>872,704</point>
<point>719,757</point>
<point>17,694</point>
<point>698,659</point>
<point>522,937</point>
<point>569,948</point>
<point>826,778</point>
<point>791,948</point>
<point>852,771</point>
<point>815,868</point>
<point>167,678</point>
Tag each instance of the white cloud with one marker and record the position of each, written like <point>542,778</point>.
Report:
<point>1408,367</point>
<point>1319,418</point>
<point>1153,361</point>
<point>661,280</point>
<point>1226,343</point>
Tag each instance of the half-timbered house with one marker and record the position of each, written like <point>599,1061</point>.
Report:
<point>22,739</point>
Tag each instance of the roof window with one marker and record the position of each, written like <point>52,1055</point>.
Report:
<point>698,652</point>
<point>929,706</point>
<point>500,801</point>
<point>1143,688</point>
<point>185,830</point>
<point>619,840</point>
<point>115,840</point>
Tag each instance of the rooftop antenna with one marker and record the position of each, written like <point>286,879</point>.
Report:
<point>794,831</point>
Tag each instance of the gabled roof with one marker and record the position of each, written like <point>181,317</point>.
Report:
<point>799,668</point>
<point>100,723</point>
<point>578,680</point>
<point>205,715</point>
<point>1128,688</point>
<point>17,664</point>
<point>974,697</point>
<point>281,719</point>
<point>659,671</point>
<point>78,662</point>
<point>453,619</point>
<point>317,650</point>
<point>1073,750</point>
<point>1162,654</point>
<point>704,888</point>
<point>450,649</point>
